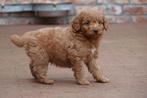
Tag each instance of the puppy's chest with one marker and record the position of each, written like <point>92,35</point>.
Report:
<point>87,52</point>
<point>92,51</point>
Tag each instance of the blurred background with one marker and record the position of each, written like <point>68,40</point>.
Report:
<point>61,11</point>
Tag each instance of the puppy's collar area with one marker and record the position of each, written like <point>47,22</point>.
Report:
<point>82,37</point>
<point>79,36</point>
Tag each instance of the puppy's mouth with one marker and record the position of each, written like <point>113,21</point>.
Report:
<point>93,35</point>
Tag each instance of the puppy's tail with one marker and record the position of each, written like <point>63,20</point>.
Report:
<point>17,40</point>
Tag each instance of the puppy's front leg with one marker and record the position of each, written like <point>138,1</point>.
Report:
<point>94,69</point>
<point>79,73</point>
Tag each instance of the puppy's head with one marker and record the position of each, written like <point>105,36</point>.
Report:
<point>90,24</point>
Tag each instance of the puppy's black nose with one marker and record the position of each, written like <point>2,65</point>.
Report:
<point>95,30</point>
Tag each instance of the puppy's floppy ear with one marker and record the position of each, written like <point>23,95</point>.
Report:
<point>76,23</point>
<point>105,23</point>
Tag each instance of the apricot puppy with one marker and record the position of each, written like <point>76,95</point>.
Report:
<point>75,46</point>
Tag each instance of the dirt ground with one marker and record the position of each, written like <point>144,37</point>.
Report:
<point>123,58</point>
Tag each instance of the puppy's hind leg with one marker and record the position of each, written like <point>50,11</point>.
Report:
<point>39,64</point>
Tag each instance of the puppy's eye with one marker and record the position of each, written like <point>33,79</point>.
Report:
<point>86,22</point>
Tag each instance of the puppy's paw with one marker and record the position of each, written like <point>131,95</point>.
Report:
<point>47,81</point>
<point>83,82</point>
<point>103,80</point>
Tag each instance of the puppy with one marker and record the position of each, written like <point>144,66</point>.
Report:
<point>74,47</point>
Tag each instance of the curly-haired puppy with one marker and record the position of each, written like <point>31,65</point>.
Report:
<point>75,47</point>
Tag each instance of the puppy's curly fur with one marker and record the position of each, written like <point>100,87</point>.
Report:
<point>75,47</point>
